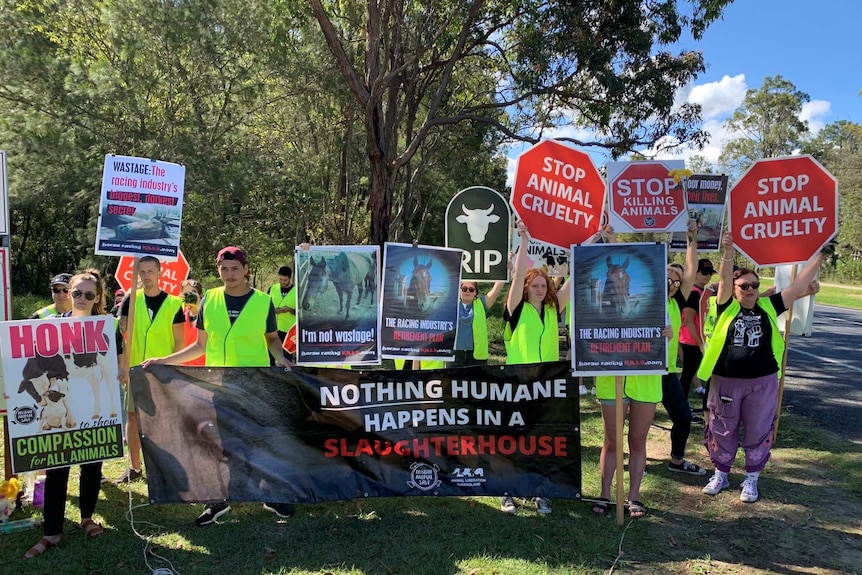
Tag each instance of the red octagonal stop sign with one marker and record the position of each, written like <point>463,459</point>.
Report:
<point>783,210</point>
<point>173,273</point>
<point>558,194</point>
<point>646,198</point>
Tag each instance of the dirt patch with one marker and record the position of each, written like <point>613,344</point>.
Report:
<point>808,519</point>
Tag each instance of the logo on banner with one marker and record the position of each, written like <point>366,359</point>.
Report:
<point>24,415</point>
<point>468,476</point>
<point>423,476</point>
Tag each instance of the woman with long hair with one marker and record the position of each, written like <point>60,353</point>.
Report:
<point>531,331</point>
<point>88,298</point>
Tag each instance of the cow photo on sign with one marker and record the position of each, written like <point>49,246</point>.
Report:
<point>64,405</point>
<point>478,222</point>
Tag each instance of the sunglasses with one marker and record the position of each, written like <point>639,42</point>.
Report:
<point>673,283</point>
<point>467,289</point>
<point>746,285</point>
<point>58,290</point>
<point>87,294</point>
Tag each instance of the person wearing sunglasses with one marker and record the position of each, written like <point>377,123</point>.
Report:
<point>158,331</point>
<point>61,302</point>
<point>743,359</point>
<point>86,296</point>
<point>680,283</point>
<point>471,343</point>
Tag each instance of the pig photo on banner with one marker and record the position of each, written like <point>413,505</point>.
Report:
<point>141,208</point>
<point>420,301</point>
<point>337,312</point>
<point>63,392</point>
<point>619,308</point>
<point>312,435</point>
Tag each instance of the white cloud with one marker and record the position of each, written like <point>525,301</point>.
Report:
<point>718,99</point>
<point>814,113</point>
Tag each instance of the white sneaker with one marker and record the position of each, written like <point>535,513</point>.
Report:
<point>543,505</point>
<point>507,505</point>
<point>582,390</point>
<point>716,484</point>
<point>749,492</point>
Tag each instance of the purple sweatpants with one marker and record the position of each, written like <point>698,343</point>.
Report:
<point>731,402</point>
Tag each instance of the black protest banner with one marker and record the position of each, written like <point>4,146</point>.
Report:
<point>619,307</point>
<point>258,434</point>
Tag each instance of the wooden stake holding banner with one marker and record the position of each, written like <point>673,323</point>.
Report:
<point>783,363</point>
<point>620,427</point>
<point>130,323</point>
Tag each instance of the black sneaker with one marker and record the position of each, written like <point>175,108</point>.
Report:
<point>686,467</point>
<point>211,513</point>
<point>697,420</point>
<point>129,476</point>
<point>280,509</point>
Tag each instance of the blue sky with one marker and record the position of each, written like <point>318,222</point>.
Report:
<point>815,44</point>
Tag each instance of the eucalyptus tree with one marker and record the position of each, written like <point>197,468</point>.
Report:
<point>601,65</point>
<point>766,125</point>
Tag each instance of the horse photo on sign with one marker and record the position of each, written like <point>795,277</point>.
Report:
<point>619,307</point>
<point>347,273</point>
<point>420,301</point>
<point>337,316</point>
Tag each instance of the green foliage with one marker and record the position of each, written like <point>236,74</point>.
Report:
<point>766,125</point>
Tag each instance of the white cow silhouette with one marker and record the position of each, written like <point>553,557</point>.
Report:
<point>477,222</point>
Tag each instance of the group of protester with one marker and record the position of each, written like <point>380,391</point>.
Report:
<point>234,325</point>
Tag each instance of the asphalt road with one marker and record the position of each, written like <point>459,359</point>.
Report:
<point>824,372</point>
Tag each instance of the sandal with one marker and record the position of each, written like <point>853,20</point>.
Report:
<point>636,509</point>
<point>91,529</point>
<point>601,506</point>
<point>43,545</point>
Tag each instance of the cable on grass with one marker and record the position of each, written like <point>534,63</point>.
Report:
<point>147,550</point>
<point>620,547</point>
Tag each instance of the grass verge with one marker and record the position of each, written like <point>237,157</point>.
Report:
<point>807,521</point>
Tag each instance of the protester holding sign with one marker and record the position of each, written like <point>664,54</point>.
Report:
<point>471,341</point>
<point>88,299</point>
<point>158,330</point>
<point>236,328</point>
<point>743,359</point>
<point>531,314</point>
<point>674,393</point>
<point>641,395</point>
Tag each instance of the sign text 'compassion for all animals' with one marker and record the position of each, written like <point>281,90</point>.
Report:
<point>66,407</point>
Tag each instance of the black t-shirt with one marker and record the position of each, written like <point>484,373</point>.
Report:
<point>153,305</point>
<point>693,301</point>
<point>234,305</point>
<point>747,352</point>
